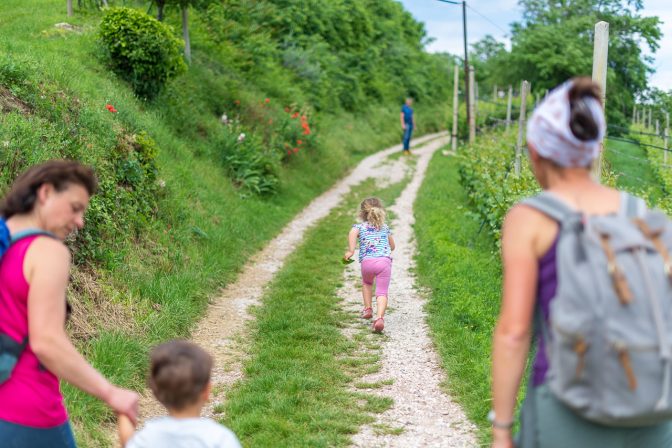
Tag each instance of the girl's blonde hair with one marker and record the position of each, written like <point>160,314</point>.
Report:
<point>371,210</point>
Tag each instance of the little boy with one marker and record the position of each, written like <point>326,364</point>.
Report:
<point>180,380</point>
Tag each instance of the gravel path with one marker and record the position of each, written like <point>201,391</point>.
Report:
<point>222,330</point>
<point>422,414</point>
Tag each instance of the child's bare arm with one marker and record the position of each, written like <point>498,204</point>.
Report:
<point>125,428</point>
<point>352,242</point>
<point>391,239</point>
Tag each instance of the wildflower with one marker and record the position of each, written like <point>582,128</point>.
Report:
<point>299,142</point>
<point>270,121</point>
<point>5,144</point>
<point>241,137</point>
<point>295,115</point>
<point>306,132</point>
<point>295,150</point>
<point>287,109</point>
<point>111,108</point>
<point>289,152</point>
<point>267,100</point>
<point>224,119</point>
<point>162,183</point>
<point>304,118</point>
<point>236,102</point>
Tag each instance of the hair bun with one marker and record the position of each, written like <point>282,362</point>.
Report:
<point>582,123</point>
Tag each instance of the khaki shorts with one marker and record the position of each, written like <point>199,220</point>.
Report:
<point>547,423</point>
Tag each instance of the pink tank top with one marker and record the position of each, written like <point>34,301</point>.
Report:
<point>31,396</point>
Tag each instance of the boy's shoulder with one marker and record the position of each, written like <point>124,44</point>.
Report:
<point>180,433</point>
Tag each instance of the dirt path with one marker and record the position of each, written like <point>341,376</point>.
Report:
<point>221,331</point>
<point>422,414</point>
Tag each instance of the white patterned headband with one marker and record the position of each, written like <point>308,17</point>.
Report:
<point>548,129</point>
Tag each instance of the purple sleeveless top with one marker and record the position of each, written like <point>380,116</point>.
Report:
<point>547,284</point>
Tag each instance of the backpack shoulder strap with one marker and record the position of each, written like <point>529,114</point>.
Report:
<point>632,206</point>
<point>30,232</point>
<point>550,205</point>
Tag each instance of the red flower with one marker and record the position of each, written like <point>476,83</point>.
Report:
<point>289,152</point>
<point>295,115</point>
<point>111,108</point>
<point>299,142</point>
<point>267,100</point>
<point>306,132</point>
<point>304,118</point>
<point>295,150</point>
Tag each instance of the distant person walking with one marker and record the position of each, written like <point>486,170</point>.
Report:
<point>581,262</point>
<point>44,205</point>
<point>375,255</point>
<point>407,118</point>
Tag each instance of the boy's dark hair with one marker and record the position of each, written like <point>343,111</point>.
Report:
<point>180,371</point>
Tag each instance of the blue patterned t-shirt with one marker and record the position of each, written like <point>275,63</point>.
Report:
<point>373,243</point>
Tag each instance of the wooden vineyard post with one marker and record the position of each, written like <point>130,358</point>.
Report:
<point>455,108</point>
<point>494,93</point>
<point>634,114</point>
<point>650,117</point>
<point>472,106</point>
<point>667,137</point>
<point>657,127</point>
<point>600,58</point>
<point>69,8</point>
<point>508,108</point>
<point>521,125</point>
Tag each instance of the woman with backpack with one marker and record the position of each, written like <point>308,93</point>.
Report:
<point>44,205</point>
<point>567,401</point>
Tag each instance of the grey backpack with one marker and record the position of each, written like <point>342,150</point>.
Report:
<point>609,337</point>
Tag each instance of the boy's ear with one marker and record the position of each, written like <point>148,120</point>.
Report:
<point>205,395</point>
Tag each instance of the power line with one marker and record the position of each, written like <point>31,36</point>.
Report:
<point>486,18</point>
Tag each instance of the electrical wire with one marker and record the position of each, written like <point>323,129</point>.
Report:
<point>491,22</point>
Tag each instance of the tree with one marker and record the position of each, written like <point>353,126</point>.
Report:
<point>554,42</point>
<point>184,12</point>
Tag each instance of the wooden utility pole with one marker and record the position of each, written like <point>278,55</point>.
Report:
<point>521,124</point>
<point>508,108</point>
<point>600,59</point>
<point>472,104</point>
<point>456,106</point>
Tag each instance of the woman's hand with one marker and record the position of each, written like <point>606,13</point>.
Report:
<point>124,402</point>
<point>501,438</point>
<point>348,254</point>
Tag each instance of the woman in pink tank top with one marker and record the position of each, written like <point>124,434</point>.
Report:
<point>51,198</point>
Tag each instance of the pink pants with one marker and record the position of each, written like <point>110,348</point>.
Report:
<point>380,269</point>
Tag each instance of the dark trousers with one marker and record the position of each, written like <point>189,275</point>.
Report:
<point>19,436</point>
<point>407,136</point>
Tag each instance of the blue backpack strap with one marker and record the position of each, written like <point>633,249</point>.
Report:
<point>30,232</point>
<point>550,205</point>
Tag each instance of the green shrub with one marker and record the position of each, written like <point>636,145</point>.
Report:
<point>141,50</point>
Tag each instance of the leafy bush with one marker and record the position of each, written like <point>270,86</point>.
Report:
<point>141,50</point>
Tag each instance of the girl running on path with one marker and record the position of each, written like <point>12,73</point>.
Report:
<point>375,255</point>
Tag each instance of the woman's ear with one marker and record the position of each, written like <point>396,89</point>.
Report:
<point>44,192</point>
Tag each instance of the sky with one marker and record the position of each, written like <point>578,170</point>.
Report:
<point>443,22</point>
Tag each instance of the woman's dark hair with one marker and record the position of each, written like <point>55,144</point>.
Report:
<point>581,121</point>
<point>59,173</point>
<point>179,373</point>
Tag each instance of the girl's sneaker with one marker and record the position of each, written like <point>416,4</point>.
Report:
<point>378,325</point>
<point>367,313</point>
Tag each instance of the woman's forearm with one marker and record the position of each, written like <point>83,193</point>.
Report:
<point>60,357</point>
<point>509,357</point>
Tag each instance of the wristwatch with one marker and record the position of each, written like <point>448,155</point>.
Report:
<point>499,425</point>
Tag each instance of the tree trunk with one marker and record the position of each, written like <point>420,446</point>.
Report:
<point>70,13</point>
<point>160,4</point>
<point>185,32</point>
